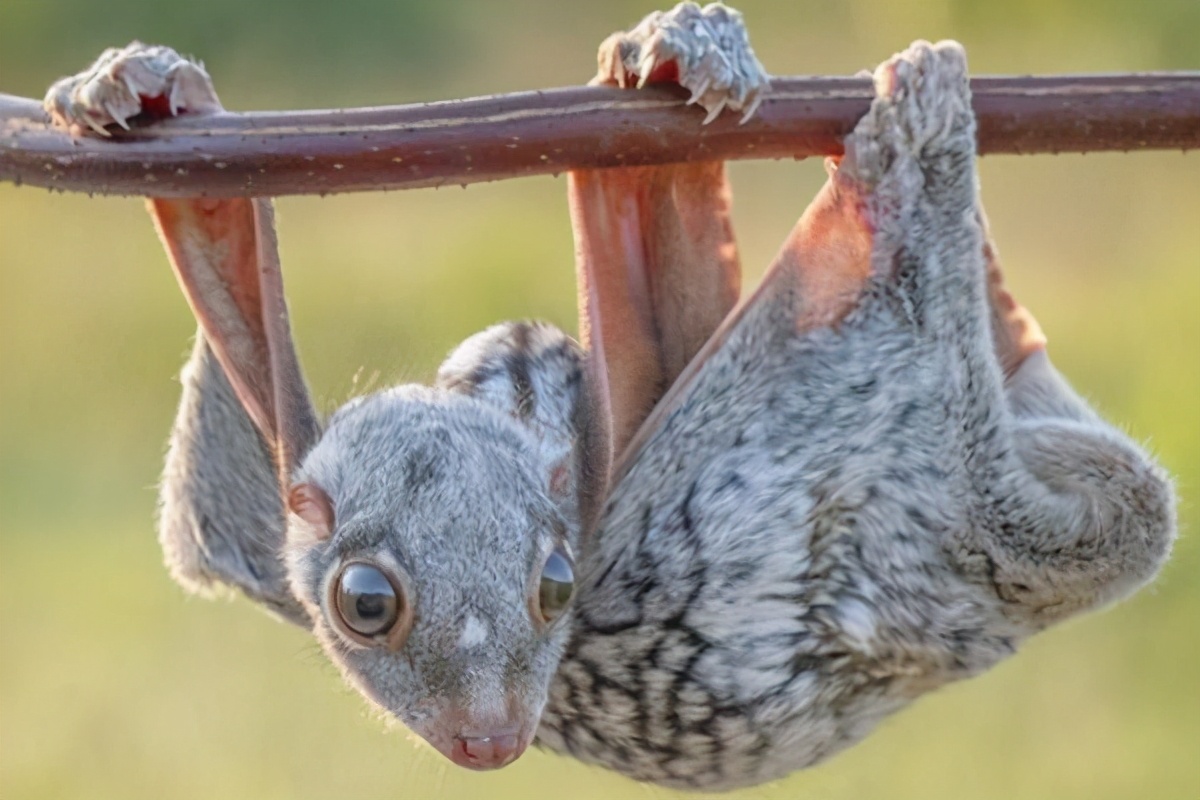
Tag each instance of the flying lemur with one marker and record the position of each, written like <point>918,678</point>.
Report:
<point>713,543</point>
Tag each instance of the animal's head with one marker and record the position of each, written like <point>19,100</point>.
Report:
<point>431,538</point>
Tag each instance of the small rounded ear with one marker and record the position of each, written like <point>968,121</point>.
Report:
<point>310,502</point>
<point>560,478</point>
<point>537,374</point>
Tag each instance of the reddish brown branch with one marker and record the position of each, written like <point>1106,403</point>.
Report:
<point>530,133</point>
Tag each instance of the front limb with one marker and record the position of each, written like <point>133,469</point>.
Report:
<point>221,517</point>
<point>656,256</point>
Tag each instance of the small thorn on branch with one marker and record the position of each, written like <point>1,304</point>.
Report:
<point>547,132</point>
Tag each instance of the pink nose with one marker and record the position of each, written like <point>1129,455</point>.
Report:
<point>486,752</point>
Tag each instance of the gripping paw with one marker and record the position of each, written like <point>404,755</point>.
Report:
<point>911,161</point>
<point>922,110</point>
<point>123,83</point>
<point>706,51</point>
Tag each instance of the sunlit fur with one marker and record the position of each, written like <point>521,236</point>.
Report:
<point>831,520</point>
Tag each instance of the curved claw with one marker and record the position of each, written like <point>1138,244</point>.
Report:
<point>715,110</point>
<point>115,114</point>
<point>751,107</point>
<point>699,90</point>
<point>645,68</point>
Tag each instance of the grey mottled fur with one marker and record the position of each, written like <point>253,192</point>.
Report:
<point>220,515</point>
<point>829,524</point>
<point>835,522</point>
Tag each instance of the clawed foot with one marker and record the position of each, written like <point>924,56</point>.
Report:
<point>909,171</point>
<point>922,112</point>
<point>127,82</point>
<point>706,51</point>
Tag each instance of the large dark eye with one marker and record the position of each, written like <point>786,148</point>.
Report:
<point>556,585</point>
<point>366,600</point>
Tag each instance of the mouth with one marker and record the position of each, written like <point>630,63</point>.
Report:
<point>485,750</point>
<point>480,747</point>
<point>484,735</point>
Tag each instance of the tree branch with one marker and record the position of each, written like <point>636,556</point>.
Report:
<point>532,133</point>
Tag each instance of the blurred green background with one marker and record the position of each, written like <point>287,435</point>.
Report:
<point>114,684</point>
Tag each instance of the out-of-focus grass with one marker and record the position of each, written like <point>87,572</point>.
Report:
<point>113,684</point>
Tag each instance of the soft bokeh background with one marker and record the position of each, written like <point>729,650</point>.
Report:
<point>114,684</point>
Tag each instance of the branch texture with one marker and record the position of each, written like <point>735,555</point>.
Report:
<point>532,133</point>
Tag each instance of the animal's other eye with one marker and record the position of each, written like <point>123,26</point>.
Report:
<point>556,586</point>
<point>366,601</point>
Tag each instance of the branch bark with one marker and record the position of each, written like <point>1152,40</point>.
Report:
<point>532,133</point>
